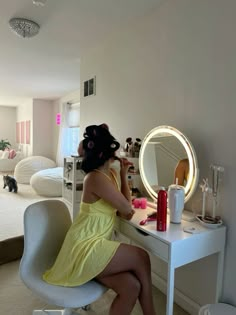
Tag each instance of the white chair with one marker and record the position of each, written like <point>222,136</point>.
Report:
<point>45,226</point>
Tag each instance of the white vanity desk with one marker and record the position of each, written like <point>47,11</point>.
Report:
<point>175,246</point>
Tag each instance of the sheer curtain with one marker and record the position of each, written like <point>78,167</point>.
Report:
<point>69,131</point>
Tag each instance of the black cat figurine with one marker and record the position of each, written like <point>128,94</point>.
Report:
<point>11,183</point>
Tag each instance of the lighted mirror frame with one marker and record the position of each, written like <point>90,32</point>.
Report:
<point>193,165</point>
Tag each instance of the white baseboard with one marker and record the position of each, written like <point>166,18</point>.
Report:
<point>182,300</point>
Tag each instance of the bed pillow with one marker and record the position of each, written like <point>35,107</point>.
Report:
<point>12,154</point>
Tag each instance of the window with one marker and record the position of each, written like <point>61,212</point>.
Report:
<point>73,122</point>
<point>73,134</point>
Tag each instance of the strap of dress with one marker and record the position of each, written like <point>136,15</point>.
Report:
<point>113,175</point>
<point>96,170</point>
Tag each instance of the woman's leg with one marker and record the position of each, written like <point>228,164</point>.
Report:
<point>133,259</point>
<point>127,287</point>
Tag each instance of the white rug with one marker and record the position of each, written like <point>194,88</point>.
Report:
<point>12,207</point>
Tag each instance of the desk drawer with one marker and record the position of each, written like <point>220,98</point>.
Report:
<point>152,244</point>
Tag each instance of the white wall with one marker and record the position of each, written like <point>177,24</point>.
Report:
<point>43,124</point>
<point>8,124</point>
<point>176,67</point>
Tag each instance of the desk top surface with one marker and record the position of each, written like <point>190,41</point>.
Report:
<point>174,232</point>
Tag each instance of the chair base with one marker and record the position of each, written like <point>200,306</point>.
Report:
<point>54,312</point>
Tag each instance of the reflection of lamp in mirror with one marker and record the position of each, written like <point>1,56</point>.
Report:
<point>147,168</point>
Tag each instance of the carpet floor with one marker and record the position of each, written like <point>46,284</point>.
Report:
<point>16,299</point>
<point>12,208</point>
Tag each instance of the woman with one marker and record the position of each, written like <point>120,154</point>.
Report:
<point>88,251</point>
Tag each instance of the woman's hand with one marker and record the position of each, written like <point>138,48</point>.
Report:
<point>124,165</point>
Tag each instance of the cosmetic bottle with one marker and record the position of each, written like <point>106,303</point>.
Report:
<point>161,210</point>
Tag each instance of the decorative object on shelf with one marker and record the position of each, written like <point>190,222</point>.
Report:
<point>129,146</point>
<point>132,148</point>
<point>23,27</point>
<point>4,144</point>
<point>137,146</point>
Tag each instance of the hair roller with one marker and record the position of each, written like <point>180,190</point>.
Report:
<point>90,144</point>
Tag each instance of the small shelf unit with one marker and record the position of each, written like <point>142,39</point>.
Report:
<point>73,178</point>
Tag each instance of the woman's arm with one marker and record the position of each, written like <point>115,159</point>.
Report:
<point>124,166</point>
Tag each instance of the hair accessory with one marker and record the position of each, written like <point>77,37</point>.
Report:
<point>100,155</point>
<point>90,144</point>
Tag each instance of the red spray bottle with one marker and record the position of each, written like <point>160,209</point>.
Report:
<point>161,210</point>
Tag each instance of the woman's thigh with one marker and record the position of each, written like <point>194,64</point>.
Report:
<point>127,258</point>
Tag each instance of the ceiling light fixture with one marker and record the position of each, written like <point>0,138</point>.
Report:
<point>39,2</point>
<point>23,27</point>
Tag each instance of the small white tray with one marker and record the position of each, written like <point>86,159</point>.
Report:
<point>209,225</point>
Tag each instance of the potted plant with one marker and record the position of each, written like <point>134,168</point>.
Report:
<point>4,144</point>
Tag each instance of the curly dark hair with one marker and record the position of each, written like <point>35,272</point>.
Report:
<point>99,146</point>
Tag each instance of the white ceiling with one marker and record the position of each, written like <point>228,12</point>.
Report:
<point>47,65</point>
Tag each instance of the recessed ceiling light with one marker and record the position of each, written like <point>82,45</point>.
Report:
<point>39,2</point>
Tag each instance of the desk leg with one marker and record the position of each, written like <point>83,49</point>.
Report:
<point>170,289</point>
<point>219,280</point>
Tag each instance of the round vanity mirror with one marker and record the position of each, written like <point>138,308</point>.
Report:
<point>168,157</point>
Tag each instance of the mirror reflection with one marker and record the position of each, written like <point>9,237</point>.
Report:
<point>168,157</point>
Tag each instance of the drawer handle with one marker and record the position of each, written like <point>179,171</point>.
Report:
<point>141,232</point>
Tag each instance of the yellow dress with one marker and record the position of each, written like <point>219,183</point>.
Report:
<point>87,248</point>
